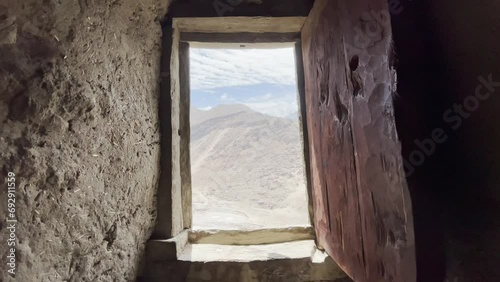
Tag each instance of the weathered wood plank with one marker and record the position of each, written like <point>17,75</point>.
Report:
<point>185,133</point>
<point>242,37</point>
<point>240,24</point>
<point>362,206</point>
<point>169,221</point>
<point>252,237</point>
<point>301,90</point>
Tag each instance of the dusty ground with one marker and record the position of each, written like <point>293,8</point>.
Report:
<point>78,123</point>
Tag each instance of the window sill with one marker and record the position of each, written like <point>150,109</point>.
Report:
<point>289,261</point>
<point>232,241</point>
<point>231,253</point>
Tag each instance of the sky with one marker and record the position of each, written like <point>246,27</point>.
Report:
<point>263,79</point>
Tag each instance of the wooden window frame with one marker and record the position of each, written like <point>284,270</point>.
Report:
<point>174,194</point>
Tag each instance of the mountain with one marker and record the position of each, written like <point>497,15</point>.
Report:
<point>198,116</point>
<point>293,116</point>
<point>247,170</point>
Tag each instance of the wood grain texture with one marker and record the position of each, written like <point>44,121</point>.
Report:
<point>240,24</point>
<point>185,134</point>
<point>168,220</point>
<point>245,37</point>
<point>251,237</point>
<point>362,206</point>
<point>171,197</point>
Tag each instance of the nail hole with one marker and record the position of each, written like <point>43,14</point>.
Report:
<point>354,63</point>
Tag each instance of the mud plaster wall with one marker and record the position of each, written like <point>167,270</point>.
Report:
<point>79,128</point>
<point>442,47</point>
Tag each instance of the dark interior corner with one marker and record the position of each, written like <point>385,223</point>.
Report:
<point>442,48</point>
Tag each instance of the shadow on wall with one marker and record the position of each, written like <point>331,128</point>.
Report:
<point>448,76</point>
<point>78,119</point>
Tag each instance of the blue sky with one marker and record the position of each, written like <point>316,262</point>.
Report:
<point>263,79</point>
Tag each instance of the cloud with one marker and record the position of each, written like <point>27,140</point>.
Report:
<point>214,68</point>
<point>260,98</point>
<point>262,79</point>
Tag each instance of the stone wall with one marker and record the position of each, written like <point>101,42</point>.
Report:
<point>79,128</point>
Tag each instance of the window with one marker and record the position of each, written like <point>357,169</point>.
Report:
<point>285,239</point>
<point>247,159</point>
<point>206,208</point>
<point>361,202</point>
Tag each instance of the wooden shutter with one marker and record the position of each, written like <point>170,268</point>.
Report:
<point>362,206</point>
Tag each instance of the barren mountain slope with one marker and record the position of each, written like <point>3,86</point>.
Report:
<point>247,170</point>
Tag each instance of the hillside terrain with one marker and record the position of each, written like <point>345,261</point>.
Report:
<point>247,170</point>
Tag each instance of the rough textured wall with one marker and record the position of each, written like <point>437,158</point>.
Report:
<point>443,47</point>
<point>79,128</point>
